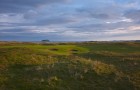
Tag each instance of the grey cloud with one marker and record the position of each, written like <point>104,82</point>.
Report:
<point>133,14</point>
<point>92,13</point>
<point>55,20</point>
<point>33,20</point>
<point>7,6</point>
<point>101,12</point>
<point>101,16</point>
<point>46,21</point>
<point>30,36</point>
<point>15,30</point>
<point>100,27</point>
<point>21,37</point>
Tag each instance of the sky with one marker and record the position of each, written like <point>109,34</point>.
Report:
<point>69,20</point>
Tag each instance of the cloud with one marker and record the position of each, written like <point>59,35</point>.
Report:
<point>55,20</point>
<point>10,6</point>
<point>134,28</point>
<point>133,14</point>
<point>11,18</point>
<point>69,19</point>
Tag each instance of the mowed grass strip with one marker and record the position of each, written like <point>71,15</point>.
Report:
<point>52,49</point>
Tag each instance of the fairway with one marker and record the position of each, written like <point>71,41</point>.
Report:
<point>70,66</point>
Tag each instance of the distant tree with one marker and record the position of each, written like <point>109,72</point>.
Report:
<point>46,40</point>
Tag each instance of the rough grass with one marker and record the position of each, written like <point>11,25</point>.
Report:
<point>84,66</point>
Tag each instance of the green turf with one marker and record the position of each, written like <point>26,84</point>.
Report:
<point>70,66</point>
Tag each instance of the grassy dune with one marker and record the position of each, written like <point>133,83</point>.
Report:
<point>70,66</point>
